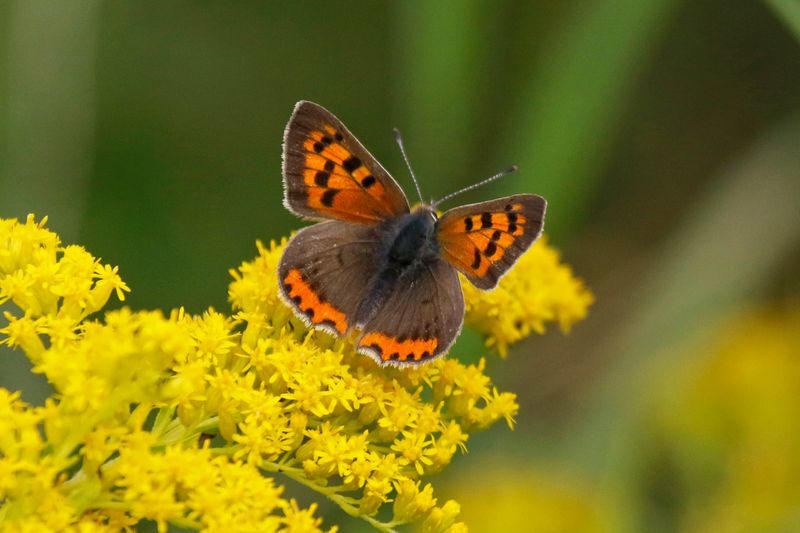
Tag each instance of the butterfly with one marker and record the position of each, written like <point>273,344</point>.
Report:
<point>375,266</point>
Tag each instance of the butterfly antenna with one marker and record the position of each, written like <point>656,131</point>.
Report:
<point>399,139</point>
<point>506,172</point>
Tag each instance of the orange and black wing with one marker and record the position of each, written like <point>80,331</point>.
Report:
<point>484,240</point>
<point>328,174</point>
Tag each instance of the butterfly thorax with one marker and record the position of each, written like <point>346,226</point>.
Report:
<point>412,238</point>
<point>410,245</point>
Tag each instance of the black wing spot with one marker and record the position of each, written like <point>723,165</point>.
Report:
<point>486,220</point>
<point>351,164</point>
<point>491,248</point>
<point>468,224</point>
<point>297,299</point>
<point>326,140</point>
<point>425,355</point>
<point>477,262</point>
<point>512,217</point>
<point>329,165</point>
<point>512,228</point>
<point>321,178</point>
<point>327,197</point>
<point>309,313</point>
<point>509,207</point>
<point>395,356</point>
<point>328,322</point>
<point>496,235</point>
<point>318,147</point>
<point>339,137</point>
<point>287,287</point>
<point>368,182</point>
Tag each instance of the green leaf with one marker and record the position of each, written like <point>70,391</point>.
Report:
<point>566,110</point>
<point>789,12</point>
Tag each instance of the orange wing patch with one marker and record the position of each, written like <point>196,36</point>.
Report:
<point>308,302</point>
<point>484,240</point>
<point>337,180</point>
<point>390,349</point>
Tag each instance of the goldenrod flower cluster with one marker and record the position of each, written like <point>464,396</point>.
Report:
<point>538,290</point>
<point>195,420</point>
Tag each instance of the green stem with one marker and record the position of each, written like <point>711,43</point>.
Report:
<point>225,450</point>
<point>175,432</point>
<point>163,418</point>
<point>186,523</point>
<point>110,504</point>
<point>331,493</point>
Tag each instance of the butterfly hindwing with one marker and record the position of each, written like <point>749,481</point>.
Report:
<point>484,240</point>
<point>419,319</point>
<point>328,174</point>
<point>323,271</point>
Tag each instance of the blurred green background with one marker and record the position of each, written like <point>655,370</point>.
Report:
<point>665,135</point>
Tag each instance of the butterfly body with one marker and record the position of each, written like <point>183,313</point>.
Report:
<point>415,238</point>
<point>375,266</point>
<point>407,246</point>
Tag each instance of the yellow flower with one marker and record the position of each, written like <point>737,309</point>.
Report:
<point>442,519</point>
<point>539,289</point>
<point>195,420</point>
<point>411,503</point>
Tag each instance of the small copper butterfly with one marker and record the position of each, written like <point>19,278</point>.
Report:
<point>374,265</point>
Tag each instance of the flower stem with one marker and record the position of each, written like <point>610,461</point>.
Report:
<point>342,501</point>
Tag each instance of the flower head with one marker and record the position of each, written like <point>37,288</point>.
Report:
<point>539,289</point>
<point>195,420</point>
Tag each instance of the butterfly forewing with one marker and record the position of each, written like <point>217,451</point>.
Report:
<point>419,320</point>
<point>324,270</point>
<point>484,240</point>
<point>328,174</point>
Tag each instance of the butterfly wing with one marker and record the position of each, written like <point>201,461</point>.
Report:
<point>323,273</point>
<point>419,319</point>
<point>328,174</point>
<point>484,240</point>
